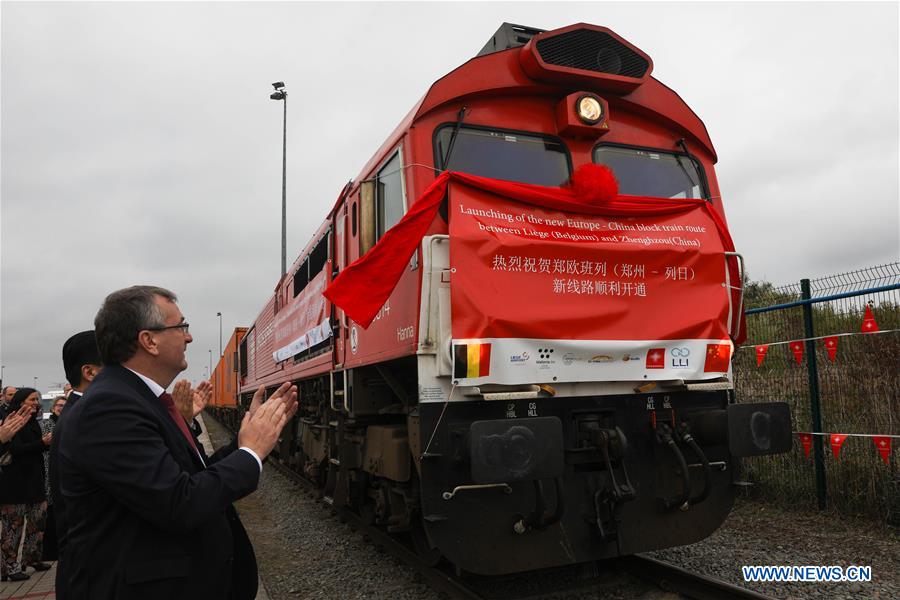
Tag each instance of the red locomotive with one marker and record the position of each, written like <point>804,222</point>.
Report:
<point>547,378</point>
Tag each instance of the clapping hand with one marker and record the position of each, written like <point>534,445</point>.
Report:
<point>13,423</point>
<point>264,421</point>
<point>191,402</point>
<point>258,397</point>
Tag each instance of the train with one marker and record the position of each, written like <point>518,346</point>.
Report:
<point>520,374</point>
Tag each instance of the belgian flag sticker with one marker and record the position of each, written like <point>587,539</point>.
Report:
<point>471,360</point>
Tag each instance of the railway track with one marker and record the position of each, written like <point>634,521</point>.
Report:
<point>588,578</point>
<point>673,578</point>
<point>653,573</point>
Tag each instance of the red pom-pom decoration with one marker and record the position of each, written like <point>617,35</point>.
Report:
<point>594,184</point>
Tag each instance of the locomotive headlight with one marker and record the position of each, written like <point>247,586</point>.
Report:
<point>589,109</point>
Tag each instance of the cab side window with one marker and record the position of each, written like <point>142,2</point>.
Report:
<point>389,196</point>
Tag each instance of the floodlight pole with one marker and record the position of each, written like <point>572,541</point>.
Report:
<point>280,94</point>
<point>219,314</point>
<point>284,190</point>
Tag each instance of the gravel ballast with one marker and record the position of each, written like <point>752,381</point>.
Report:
<point>762,534</point>
<point>304,551</point>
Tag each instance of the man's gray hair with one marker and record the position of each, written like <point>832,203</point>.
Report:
<point>124,314</point>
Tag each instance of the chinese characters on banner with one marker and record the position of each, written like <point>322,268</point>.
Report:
<point>575,297</point>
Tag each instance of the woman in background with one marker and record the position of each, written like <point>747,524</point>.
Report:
<point>51,549</point>
<point>22,495</point>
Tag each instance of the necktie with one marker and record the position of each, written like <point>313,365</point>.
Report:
<point>169,403</point>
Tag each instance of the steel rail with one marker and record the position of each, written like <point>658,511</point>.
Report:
<point>692,585</point>
<point>434,577</point>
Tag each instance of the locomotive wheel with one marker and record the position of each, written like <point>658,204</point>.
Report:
<point>430,556</point>
<point>367,511</point>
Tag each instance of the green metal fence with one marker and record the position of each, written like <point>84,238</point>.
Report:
<point>857,393</point>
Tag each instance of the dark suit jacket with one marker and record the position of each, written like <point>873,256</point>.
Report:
<point>21,482</point>
<point>145,517</point>
<point>59,503</point>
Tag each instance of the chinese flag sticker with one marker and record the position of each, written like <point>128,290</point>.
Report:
<point>806,440</point>
<point>831,346</point>
<point>717,357</point>
<point>837,440</point>
<point>656,358</point>
<point>869,325</point>
<point>797,349</point>
<point>761,353</point>
<point>883,444</point>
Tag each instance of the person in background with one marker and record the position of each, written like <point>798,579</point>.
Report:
<point>58,406</point>
<point>22,496</point>
<point>66,389</point>
<point>47,427</point>
<point>9,427</point>
<point>5,398</point>
<point>81,363</point>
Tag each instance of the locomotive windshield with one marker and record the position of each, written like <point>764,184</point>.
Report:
<point>651,173</point>
<point>503,155</point>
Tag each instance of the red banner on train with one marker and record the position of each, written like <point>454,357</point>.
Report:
<point>303,323</point>
<point>560,296</point>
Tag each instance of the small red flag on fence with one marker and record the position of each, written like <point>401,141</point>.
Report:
<point>831,344</point>
<point>837,440</point>
<point>797,349</point>
<point>761,353</point>
<point>806,440</point>
<point>883,444</point>
<point>869,325</point>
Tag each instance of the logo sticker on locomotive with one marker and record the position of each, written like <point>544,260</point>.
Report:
<point>471,361</point>
<point>519,359</point>
<point>680,358</point>
<point>656,358</point>
<point>600,358</point>
<point>354,339</point>
<point>570,357</point>
<point>718,358</point>
<point>545,358</point>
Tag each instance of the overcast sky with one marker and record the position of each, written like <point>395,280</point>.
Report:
<point>139,144</point>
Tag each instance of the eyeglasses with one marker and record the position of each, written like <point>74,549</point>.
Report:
<point>184,327</point>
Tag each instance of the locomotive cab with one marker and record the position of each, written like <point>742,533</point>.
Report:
<point>537,471</point>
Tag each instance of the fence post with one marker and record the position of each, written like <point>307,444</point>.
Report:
<point>813,374</point>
